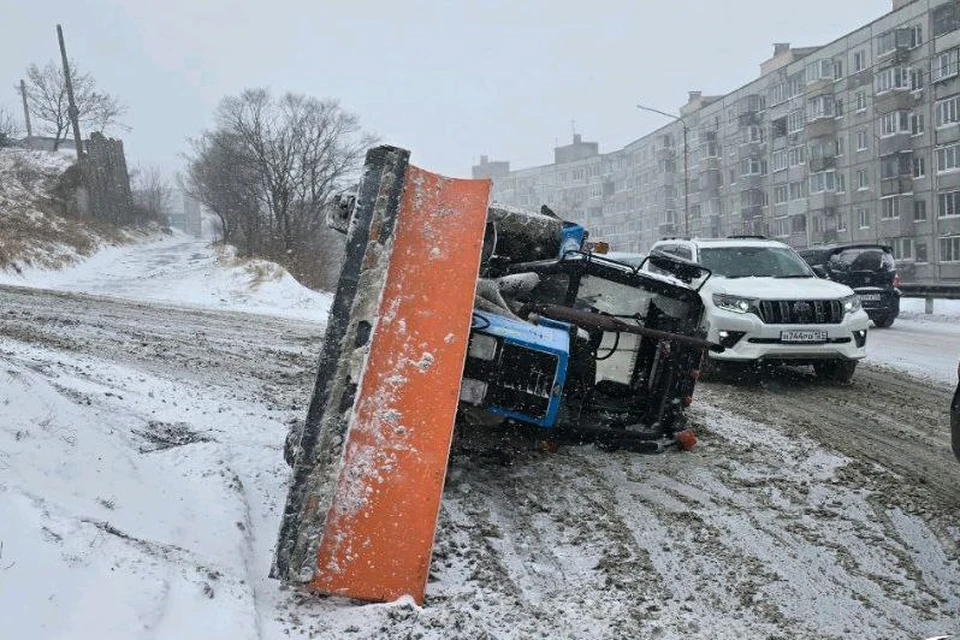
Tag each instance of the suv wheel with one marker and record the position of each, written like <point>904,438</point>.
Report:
<point>836,370</point>
<point>883,321</point>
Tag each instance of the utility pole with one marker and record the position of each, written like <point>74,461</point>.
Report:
<point>26,110</point>
<point>686,166</point>
<point>72,109</point>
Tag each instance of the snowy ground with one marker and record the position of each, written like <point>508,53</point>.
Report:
<point>182,270</point>
<point>141,479</point>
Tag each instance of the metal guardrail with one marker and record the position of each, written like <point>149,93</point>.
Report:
<point>944,291</point>
<point>930,292</point>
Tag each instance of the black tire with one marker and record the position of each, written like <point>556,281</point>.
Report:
<point>884,321</point>
<point>836,370</point>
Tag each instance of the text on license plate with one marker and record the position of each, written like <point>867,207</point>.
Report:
<point>869,297</point>
<point>797,335</point>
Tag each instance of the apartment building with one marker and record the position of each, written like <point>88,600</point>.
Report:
<point>855,140</point>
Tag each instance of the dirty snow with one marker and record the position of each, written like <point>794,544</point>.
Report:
<point>142,479</point>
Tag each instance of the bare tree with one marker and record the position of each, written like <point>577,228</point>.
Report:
<point>9,128</point>
<point>271,165</point>
<point>151,194</point>
<point>47,99</point>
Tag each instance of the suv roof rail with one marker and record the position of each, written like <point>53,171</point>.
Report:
<point>747,237</point>
<point>673,238</point>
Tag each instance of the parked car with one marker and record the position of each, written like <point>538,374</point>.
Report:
<point>765,304</point>
<point>955,419</point>
<point>868,269</point>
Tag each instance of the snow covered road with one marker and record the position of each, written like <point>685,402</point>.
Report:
<point>142,474</point>
<point>141,479</point>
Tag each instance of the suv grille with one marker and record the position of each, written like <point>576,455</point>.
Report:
<point>801,311</point>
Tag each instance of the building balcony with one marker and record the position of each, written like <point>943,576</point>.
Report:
<point>819,86</point>
<point>896,185</point>
<point>897,143</point>
<point>751,182</point>
<point>822,126</point>
<point>821,200</point>
<point>895,100</point>
<point>822,164</point>
<point>710,163</point>
<point>749,118</point>
<point>666,153</point>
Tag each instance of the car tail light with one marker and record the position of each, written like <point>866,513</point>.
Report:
<point>896,279</point>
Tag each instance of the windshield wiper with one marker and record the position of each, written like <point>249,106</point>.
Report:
<point>798,275</point>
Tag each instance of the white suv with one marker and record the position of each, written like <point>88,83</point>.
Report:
<point>764,303</point>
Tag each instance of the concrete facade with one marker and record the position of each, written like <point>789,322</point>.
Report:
<point>858,139</point>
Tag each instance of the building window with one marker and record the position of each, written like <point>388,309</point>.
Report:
<point>796,156</point>
<point>751,167</point>
<point>861,140</point>
<point>798,190</point>
<point>841,182</point>
<point>902,248</point>
<point>861,101</point>
<point>778,160</point>
<point>916,124</point>
<point>916,79</point>
<point>821,107</point>
<point>894,122</point>
<point>822,181</point>
<point>863,218</point>
<point>889,208</point>
<point>781,227</point>
<point>896,165</point>
<point>862,182</point>
<point>919,167</point>
<point>795,121</point>
<point>920,249</point>
<point>841,144</point>
<point>781,193</point>
<point>948,204</point>
<point>943,66</point>
<point>837,69</point>
<point>891,79</point>
<point>947,111</point>
<point>859,61</point>
<point>798,224</point>
<point>841,221</point>
<point>919,210</point>
<point>950,249</point>
<point>948,158</point>
<point>886,43</point>
<point>819,70</point>
<point>944,18</point>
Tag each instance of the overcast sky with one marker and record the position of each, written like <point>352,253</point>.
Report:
<point>448,80</point>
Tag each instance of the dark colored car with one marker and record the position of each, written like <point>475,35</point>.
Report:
<point>955,420</point>
<point>868,269</point>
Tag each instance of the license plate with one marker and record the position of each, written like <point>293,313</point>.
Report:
<point>799,335</point>
<point>869,297</point>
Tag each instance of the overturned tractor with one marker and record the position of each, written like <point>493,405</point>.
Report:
<point>450,312</point>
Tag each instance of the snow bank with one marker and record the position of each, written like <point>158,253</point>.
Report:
<point>182,270</point>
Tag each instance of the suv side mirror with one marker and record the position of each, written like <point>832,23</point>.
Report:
<point>819,270</point>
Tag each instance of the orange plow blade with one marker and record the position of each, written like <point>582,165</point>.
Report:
<point>376,535</point>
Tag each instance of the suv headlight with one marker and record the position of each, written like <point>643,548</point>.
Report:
<point>850,303</point>
<point>735,304</point>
